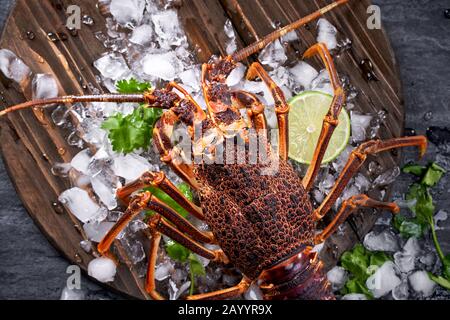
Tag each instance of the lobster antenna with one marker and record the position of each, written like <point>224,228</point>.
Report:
<point>118,98</point>
<point>259,45</point>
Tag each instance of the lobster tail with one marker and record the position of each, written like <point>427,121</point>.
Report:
<point>299,277</point>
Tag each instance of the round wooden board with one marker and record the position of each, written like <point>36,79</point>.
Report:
<point>30,146</point>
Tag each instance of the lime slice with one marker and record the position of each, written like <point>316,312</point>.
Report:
<point>305,123</point>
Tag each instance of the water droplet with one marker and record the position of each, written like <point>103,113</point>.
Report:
<point>61,169</point>
<point>86,245</point>
<point>447,13</point>
<point>367,68</point>
<point>31,35</point>
<point>61,151</point>
<point>60,115</point>
<point>74,140</point>
<point>78,258</point>
<point>410,132</point>
<point>87,20</point>
<point>62,36</point>
<point>53,37</point>
<point>57,207</point>
<point>428,116</point>
<point>72,31</point>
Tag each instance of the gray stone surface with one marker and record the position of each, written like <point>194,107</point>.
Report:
<point>30,268</point>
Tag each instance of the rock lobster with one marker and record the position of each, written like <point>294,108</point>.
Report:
<point>265,226</point>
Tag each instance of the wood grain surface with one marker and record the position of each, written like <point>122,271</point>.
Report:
<point>31,144</point>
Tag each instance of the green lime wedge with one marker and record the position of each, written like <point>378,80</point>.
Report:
<point>305,123</point>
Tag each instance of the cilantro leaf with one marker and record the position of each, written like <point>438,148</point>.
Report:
<point>361,263</point>
<point>432,175</point>
<point>176,251</point>
<point>423,207</point>
<point>132,86</point>
<point>414,169</point>
<point>131,132</point>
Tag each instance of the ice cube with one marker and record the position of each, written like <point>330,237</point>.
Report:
<point>354,296</point>
<point>412,247</point>
<point>127,12</point>
<point>142,35</point>
<point>290,36</point>
<point>175,292</point>
<point>134,249</point>
<point>12,67</point>
<point>404,262</point>
<point>362,183</point>
<point>236,75</point>
<point>167,28</point>
<point>97,231</point>
<point>165,66</point>
<point>273,55</point>
<point>441,215</point>
<point>81,161</point>
<point>322,83</point>
<point>105,189</point>
<point>326,33</point>
<point>303,74</point>
<point>231,45</point>
<point>103,269</point>
<point>163,270</point>
<point>86,245</point>
<point>337,277</point>
<point>383,241</point>
<point>191,78</point>
<point>253,293</point>
<point>130,167</point>
<point>112,66</point>
<point>384,280</point>
<point>421,283</point>
<point>80,204</point>
<point>44,86</point>
<point>72,294</point>
<point>401,292</point>
<point>359,124</point>
<point>387,177</point>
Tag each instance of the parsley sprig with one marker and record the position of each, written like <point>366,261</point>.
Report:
<point>424,209</point>
<point>133,131</point>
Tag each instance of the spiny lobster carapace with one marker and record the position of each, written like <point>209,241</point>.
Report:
<point>264,225</point>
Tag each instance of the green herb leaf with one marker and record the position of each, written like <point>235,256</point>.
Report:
<point>357,286</point>
<point>424,207</point>
<point>378,258</point>
<point>445,283</point>
<point>196,266</point>
<point>132,86</point>
<point>414,169</point>
<point>356,261</point>
<point>433,175</point>
<point>164,197</point>
<point>131,132</point>
<point>176,251</point>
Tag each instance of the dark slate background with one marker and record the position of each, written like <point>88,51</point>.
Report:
<point>30,268</point>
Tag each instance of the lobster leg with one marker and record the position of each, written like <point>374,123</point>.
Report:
<point>255,109</point>
<point>225,293</point>
<point>330,121</point>
<point>161,225</point>
<point>349,206</point>
<point>160,181</point>
<point>356,160</point>
<point>150,285</point>
<point>147,201</point>
<point>281,106</point>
